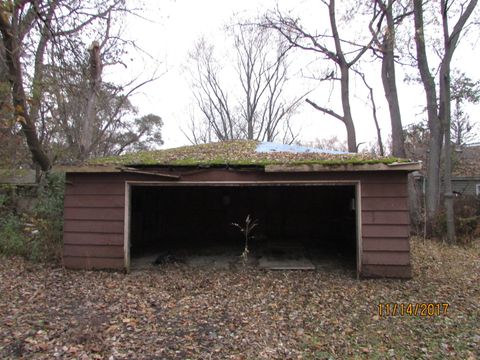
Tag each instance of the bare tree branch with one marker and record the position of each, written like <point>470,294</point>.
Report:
<point>326,111</point>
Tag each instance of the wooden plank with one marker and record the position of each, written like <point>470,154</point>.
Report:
<point>341,167</point>
<point>384,178</point>
<point>385,244</point>
<point>90,226</point>
<point>75,238</point>
<point>93,178</point>
<point>384,190</point>
<point>89,201</point>
<point>94,251</point>
<point>87,263</point>
<point>385,231</point>
<point>386,258</point>
<point>93,214</point>
<point>392,204</point>
<point>79,188</point>
<point>109,178</point>
<point>152,173</point>
<point>386,217</point>
<point>88,169</point>
<point>386,271</point>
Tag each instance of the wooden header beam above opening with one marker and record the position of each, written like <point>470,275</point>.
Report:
<point>154,173</point>
<point>112,169</point>
<point>412,166</point>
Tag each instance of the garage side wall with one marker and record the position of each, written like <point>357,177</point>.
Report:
<point>385,227</point>
<point>94,221</point>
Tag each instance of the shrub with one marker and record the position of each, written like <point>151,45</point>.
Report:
<point>48,216</point>
<point>35,234</point>
<point>467,219</point>
<point>467,216</point>
<point>12,240</point>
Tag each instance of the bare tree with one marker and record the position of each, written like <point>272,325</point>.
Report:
<point>371,97</point>
<point>330,143</point>
<point>116,126</point>
<point>43,41</point>
<point>439,113</point>
<point>15,20</point>
<point>393,12</point>
<point>95,78</point>
<point>254,107</point>
<point>212,99</point>
<point>344,60</point>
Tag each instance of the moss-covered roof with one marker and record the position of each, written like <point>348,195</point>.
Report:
<point>238,152</point>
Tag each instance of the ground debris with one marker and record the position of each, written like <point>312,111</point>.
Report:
<point>179,311</point>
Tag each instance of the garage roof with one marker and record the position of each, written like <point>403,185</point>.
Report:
<point>271,156</point>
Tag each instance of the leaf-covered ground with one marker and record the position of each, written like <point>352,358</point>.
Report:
<point>180,312</point>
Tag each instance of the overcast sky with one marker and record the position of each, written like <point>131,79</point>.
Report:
<point>173,27</point>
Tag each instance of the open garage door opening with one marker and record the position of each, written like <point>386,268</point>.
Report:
<point>299,226</point>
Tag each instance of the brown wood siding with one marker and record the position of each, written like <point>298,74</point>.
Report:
<point>94,214</point>
<point>93,226</point>
<point>385,228</point>
<point>76,262</point>
<point>386,258</point>
<point>94,221</point>
<point>379,190</point>
<point>385,244</point>
<point>383,271</point>
<point>385,217</point>
<point>94,210</point>
<point>95,251</point>
<point>74,238</point>
<point>385,231</point>
<point>91,201</point>
<point>87,188</point>
<point>385,204</point>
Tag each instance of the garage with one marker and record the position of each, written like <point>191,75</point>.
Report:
<point>298,225</point>
<point>308,204</point>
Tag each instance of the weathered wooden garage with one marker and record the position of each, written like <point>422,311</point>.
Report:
<point>350,204</point>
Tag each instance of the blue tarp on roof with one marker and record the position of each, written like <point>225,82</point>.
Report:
<point>273,147</point>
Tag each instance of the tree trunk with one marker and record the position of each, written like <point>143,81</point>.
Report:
<point>390,85</point>
<point>439,118</point>
<point>432,191</point>
<point>445,117</point>
<point>344,80</point>
<point>447,176</point>
<point>450,44</point>
<point>445,114</point>
<point>15,77</point>
<point>95,67</point>
<point>415,205</point>
<point>432,195</point>
<point>347,113</point>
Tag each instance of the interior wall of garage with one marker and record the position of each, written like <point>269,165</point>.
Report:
<point>310,216</point>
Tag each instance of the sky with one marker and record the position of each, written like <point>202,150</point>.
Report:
<point>167,31</point>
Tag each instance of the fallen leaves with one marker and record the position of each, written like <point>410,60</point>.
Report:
<point>235,152</point>
<point>176,311</point>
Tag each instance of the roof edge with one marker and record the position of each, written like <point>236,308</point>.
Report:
<point>406,166</point>
<point>88,169</point>
<point>410,166</point>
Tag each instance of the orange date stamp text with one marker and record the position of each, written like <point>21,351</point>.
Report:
<point>412,309</point>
